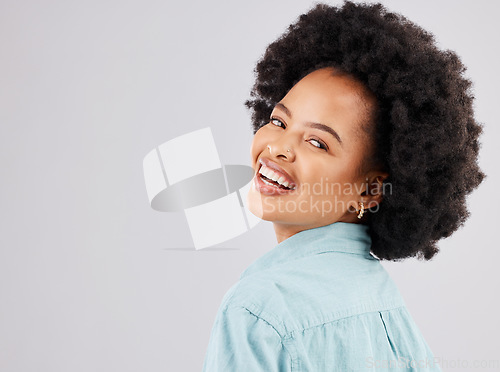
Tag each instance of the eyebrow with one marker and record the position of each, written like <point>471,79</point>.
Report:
<point>319,126</point>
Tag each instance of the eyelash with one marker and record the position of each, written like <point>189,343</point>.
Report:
<point>322,146</point>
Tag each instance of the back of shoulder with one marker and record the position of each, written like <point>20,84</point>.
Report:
<point>315,290</point>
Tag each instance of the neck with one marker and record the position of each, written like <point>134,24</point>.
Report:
<point>285,230</point>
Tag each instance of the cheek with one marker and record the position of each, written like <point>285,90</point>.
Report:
<point>258,145</point>
<point>335,174</point>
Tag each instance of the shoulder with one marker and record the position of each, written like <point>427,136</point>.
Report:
<point>313,291</point>
<point>241,338</point>
<point>256,298</point>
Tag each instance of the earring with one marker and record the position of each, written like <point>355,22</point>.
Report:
<point>361,210</point>
<point>288,150</point>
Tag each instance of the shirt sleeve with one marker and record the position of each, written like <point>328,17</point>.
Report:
<point>242,341</point>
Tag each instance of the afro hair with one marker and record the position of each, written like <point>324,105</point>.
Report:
<point>425,133</point>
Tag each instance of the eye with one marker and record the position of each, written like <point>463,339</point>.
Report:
<point>319,144</point>
<point>315,142</point>
<point>277,122</point>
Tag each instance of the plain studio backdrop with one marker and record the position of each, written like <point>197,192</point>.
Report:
<point>88,281</point>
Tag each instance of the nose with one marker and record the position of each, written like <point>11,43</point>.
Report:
<point>280,149</point>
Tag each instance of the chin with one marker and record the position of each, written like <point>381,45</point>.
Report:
<point>255,203</point>
<point>264,211</point>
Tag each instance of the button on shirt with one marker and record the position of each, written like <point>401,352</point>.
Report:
<point>318,301</point>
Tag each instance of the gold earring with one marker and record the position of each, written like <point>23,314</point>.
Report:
<point>361,210</point>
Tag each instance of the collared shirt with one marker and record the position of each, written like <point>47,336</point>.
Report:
<point>319,301</point>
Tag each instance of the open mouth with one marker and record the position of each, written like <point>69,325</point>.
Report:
<point>269,181</point>
<point>273,177</point>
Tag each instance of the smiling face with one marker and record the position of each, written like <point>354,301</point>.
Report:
<point>314,146</point>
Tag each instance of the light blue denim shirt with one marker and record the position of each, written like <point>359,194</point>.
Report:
<point>319,301</point>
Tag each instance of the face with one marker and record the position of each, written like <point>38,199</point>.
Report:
<point>314,146</point>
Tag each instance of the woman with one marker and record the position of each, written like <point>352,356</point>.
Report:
<point>365,148</point>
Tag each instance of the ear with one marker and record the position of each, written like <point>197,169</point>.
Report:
<point>375,189</point>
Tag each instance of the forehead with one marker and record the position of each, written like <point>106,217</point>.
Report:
<point>332,98</point>
<point>323,89</point>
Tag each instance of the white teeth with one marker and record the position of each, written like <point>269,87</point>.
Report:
<point>273,176</point>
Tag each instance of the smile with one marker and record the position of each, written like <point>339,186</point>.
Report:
<point>271,179</point>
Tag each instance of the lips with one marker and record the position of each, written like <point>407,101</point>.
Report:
<point>269,187</point>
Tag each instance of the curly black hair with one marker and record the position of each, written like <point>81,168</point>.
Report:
<point>425,133</point>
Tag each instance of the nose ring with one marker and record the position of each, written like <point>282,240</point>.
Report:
<point>269,148</point>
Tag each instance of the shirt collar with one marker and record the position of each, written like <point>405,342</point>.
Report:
<point>337,237</point>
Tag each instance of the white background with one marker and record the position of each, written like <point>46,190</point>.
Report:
<point>88,88</point>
